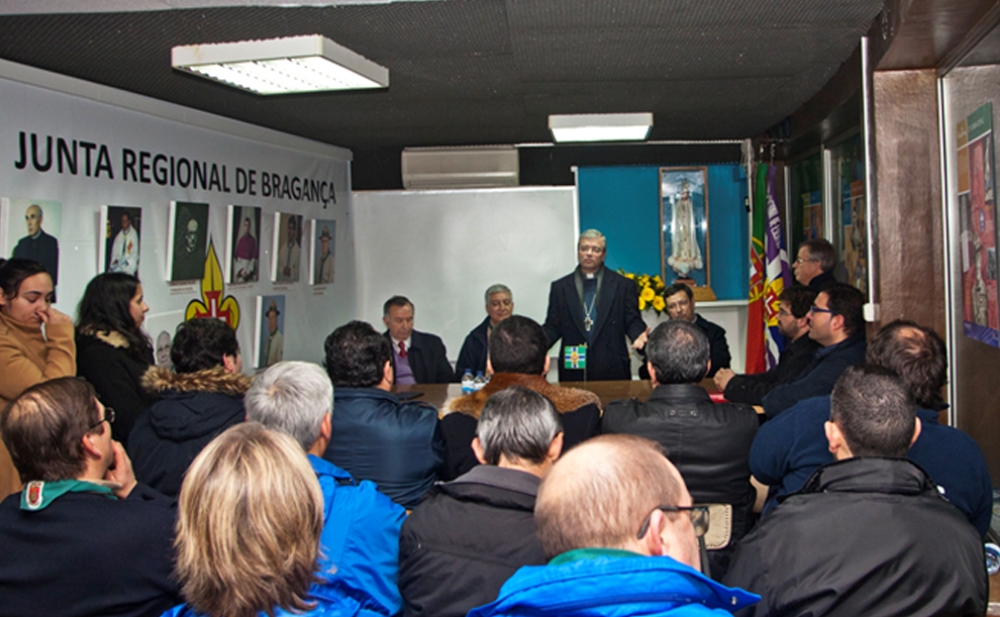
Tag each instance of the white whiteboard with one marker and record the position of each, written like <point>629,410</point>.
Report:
<point>442,249</point>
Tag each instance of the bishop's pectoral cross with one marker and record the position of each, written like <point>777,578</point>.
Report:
<point>588,323</point>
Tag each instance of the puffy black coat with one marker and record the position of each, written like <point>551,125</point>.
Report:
<point>864,536</point>
<point>466,539</point>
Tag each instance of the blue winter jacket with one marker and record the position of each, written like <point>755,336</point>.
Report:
<point>328,603</point>
<point>614,587</point>
<point>360,541</point>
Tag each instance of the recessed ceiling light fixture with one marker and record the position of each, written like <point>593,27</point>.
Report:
<point>600,127</point>
<point>310,63</point>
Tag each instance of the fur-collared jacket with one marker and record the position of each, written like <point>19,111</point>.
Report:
<point>579,410</point>
<point>104,359</point>
<point>193,409</point>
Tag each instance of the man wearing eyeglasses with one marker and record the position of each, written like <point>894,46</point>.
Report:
<point>836,322</point>
<point>870,533</point>
<point>82,537</point>
<point>814,267</point>
<point>621,532</point>
<point>708,442</point>
<point>793,324</point>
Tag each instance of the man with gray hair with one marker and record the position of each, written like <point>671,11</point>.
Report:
<point>475,349</point>
<point>708,442</point>
<point>620,531</point>
<point>360,538</point>
<point>592,310</point>
<point>814,264</point>
<point>474,532</point>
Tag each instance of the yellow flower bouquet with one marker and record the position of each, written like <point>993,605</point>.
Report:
<point>650,290</point>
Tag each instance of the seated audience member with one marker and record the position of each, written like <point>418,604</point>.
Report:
<point>375,436</point>
<point>202,399</point>
<point>788,449</point>
<point>680,305</point>
<point>519,357</point>
<point>618,525</point>
<point>708,442</point>
<point>36,341</point>
<point>470,535</point>
<point>836,322</point>
<point>814,267</point>
<point>83,538</point>
<point>499,306</point>
<point>417,357</point>
<point>793,324</point>
<point>360,540</point>
<point>112,350</point>
<point>248,532</point>
<point>868,534</point>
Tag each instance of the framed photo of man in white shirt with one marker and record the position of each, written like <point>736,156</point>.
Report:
<point>119,249</point>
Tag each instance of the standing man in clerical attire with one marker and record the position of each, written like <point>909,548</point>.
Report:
<point>592,310</point>
<point>38,245</point>
<point>125,248</point>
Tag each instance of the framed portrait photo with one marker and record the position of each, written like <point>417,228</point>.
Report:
<point>321,264</point>
<point>187,241</point>
<point>119,249</point>
<point>269,340</point>
<point>287,254</point>
<point>684,225</point>
<point>31,230</point>
<point>243,245</point>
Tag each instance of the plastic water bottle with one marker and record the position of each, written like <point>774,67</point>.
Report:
<point>479,381</point>
<point>468,382</point>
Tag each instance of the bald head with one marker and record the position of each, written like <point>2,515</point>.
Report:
<point>599,494</point>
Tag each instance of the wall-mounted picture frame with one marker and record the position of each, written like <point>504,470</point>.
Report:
<point>287,254</point>
<point>187,241</point>
<point>31,230</point>
<point>684,233</point>
<point>321,263</point>
<point>243,244</point>
<point>269,342</point>
<point>122,233</point>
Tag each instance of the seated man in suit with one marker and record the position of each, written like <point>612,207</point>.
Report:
<point>788,449</point>
<point>680,305</point>
<point>375,436</point>
<point>621,534</point>
<point>83,537</point>
<point>837,323</point>
<point>519,357</point>
<point>708,442</point>
<point>793,324</point>
<point>476,530</point>
<point>868,534</point>
<point>360,539</point>
<point>417,357</point>
<point>499,306</point>
<point>814,267</point>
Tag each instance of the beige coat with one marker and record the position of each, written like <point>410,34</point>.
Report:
<point>26,359</point>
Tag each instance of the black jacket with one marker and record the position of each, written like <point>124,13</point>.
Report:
<point>193,409</point>
<point>466,539</point>
<point>88,554</point>
<point>794,359</point>
<point>428,358</point>
<point>474,351</point>
<point>864,536</point>
<point>617,316</point>
<point>716,343</point>
<point>103,359</point>
<point>708,442</point>
<point>822,280</point>
<point>819,377</point>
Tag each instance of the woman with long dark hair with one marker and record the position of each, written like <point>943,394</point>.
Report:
<point>113,352</point>
<point>36,341</point>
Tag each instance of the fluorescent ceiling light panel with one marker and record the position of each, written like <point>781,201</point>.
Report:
<point>600,127</point>
<point>310,63</point>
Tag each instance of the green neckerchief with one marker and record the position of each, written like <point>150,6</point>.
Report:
<point>580,554</point>
<point>38,495</point>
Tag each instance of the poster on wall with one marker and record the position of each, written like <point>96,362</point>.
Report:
<point>855,236</point>
<point>187,241</point>
<point>31,231</point>
<point>269,342</point>
<point>812,215</point>
<point>684,225</point>
<point>160,326</point>
<point>977,226</point>
<point>119,250</point>
<point>321,262</point>
<point>243,245</point>
<point>287,253</point>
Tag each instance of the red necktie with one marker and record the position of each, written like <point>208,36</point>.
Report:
<point>402,350</point>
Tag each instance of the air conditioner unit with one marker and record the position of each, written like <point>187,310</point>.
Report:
<point>460,167</point>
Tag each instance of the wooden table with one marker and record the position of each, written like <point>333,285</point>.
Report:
<point>438,394</point>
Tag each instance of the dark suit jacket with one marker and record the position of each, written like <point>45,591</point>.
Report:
<point>44,249</point>
<point>794,359</point>
<point>474,351</point>
<point>428,358</point>
<point>717,343</point>
<point>617,316</point>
